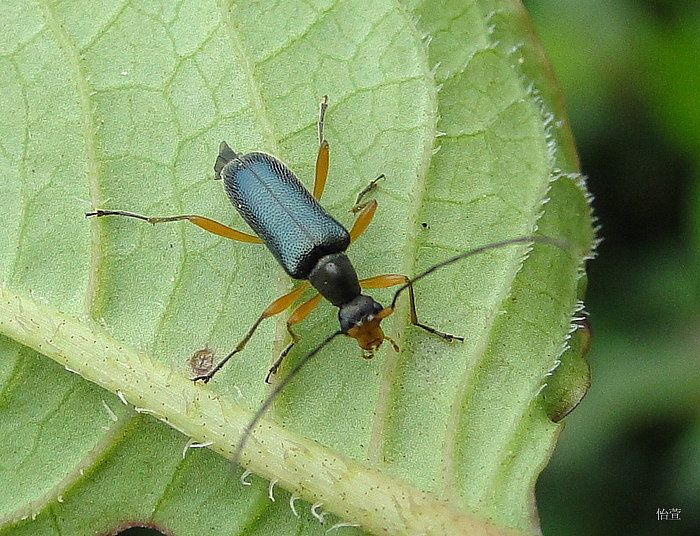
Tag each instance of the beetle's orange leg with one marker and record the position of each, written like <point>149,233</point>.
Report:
<point>391,280</point>
<point>322,162</point>
<point>299,314</point>
<point>276,307</point>
<point>323,157</point>
<point>200,221</point>
<point>364,218</point>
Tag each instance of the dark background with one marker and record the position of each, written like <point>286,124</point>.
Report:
<point>630,73</point>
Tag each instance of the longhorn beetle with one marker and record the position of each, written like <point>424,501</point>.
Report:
<point>310,246</point>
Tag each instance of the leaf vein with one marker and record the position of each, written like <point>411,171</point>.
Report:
<point>391,362</point>
<point>72,56</point>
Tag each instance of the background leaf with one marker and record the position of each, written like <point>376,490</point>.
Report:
<point>122,106</point>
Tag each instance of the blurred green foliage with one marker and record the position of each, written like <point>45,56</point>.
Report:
<point>630,72</point>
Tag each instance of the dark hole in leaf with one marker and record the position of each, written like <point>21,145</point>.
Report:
<point>139,531</point>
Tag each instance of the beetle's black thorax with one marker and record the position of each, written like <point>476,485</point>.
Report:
<point>335,278</point>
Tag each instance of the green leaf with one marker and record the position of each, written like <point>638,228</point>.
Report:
<point>123,105</point>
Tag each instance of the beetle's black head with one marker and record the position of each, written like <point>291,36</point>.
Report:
<point>360,318</point>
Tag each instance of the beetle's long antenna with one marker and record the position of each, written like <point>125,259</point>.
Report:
<point>561,244</point>
<point>275,391</point>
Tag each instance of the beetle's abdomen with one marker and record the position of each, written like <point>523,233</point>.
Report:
<point>282,212</point>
